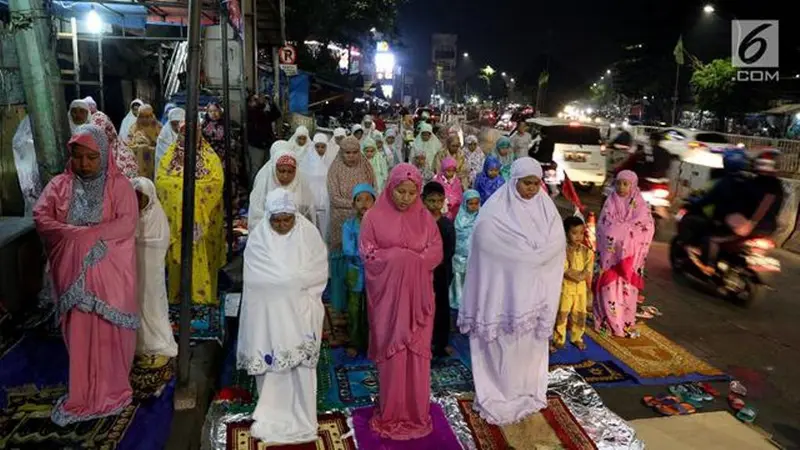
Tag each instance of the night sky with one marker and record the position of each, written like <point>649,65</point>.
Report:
<point>582,37</point>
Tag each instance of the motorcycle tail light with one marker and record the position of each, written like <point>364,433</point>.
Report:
<point>761,244</point>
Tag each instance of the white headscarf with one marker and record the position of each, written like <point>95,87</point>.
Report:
<point>315,172</point>
<point>333,147</point>
<point>394,151</point>
<point>300,151</point>
<point>267,180</point>
<point>91,103</point>
<point>369,130</point>
<point>430,148</point>
<point>503,294</point>
<point>282,311</point>
<point>128,121</point>
<point>152,242</point>
<point>79,104</point>
<point>167,137</point>
<point>358,127</point>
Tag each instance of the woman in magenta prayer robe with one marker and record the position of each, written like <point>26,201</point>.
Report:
<point>87,218</point>
<point>400,245</point>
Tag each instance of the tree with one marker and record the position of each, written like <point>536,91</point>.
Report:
<point>342,21</point>
<point>715,90</point>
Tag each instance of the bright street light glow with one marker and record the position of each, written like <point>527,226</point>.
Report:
<point>594,84</point>
<point>645,97</point>
<point>709,9</point>
<point>94,22</point>
<point>503,74</point>
<point>608,72</point>
<point>589,110</point>
<point>512,80</point>
<point>466,55</point>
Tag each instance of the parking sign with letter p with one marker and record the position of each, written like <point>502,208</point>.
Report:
<point>754,44</point>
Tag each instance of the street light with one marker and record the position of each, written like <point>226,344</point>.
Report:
<point>466,55</point>
<point>512,80</point>
<point>709,9</point>
<point>608,72</point>
<point>503,74</point>
<point>94,22</point>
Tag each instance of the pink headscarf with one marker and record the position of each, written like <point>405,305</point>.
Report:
<point>448,163</point>
<point>400,249</point>
<point>93,263</point>
<point>625,228</point>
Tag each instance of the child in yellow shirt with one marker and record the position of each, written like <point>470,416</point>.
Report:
<point>575,287</point>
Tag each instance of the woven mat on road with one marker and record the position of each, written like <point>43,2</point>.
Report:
<point>652,355</point>
<point>485,435</point>
<point>707,431</point>
<point>331,429</point>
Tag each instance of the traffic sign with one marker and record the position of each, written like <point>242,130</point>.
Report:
<point>289,69</point>
<point>287,54</point>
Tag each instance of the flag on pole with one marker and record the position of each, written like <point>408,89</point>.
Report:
<point>678,52</point>
<point>544,77</point>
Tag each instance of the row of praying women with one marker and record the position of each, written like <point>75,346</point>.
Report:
<point>106,238</point>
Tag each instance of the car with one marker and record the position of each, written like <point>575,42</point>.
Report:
<point>699,147</point>
<point>576,148</point>
<point>488,118</point>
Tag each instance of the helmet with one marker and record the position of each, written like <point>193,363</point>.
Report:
<point>735,160</point>
<point>765,161</point>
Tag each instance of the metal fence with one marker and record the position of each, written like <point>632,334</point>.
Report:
<point>788,161</point>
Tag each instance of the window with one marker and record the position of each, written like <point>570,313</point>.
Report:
<point>712,138</point>
<point>562,134</point>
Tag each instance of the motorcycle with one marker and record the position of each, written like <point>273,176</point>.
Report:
<point>743,269</point>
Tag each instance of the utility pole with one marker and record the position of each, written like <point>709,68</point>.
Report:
<point>41,81</point>
<point>186,395</point>
<point>226,106</point>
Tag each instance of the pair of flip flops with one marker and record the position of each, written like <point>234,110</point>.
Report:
<point>693,393</point>
<point>669,405</point>
<point>744,412</point>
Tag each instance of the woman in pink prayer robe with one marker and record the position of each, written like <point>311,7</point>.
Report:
<point>87,218</point>
<point>511,295</point>
<point>453,190</point>
<point>400,246</point>
<point>624,233</point>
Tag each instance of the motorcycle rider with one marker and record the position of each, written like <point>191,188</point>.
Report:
<point>649,161</point>
<point>745,205</point>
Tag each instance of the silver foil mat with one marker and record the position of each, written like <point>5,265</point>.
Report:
<point>215,428</point>
<point>452,412</point>
<point>608,430</point>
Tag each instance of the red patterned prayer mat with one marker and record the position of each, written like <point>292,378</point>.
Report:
<point>561,420</point>
<point>486,435</point>
<point>331,429</point>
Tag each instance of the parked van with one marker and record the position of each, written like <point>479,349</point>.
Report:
<point>576,149</point>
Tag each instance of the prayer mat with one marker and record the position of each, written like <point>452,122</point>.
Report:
<point>207,321</point>
<point>441,438</point>
<point>150,375</point>
<point>485,435</point>
<point>651,355</point>
<point>332,428</point>
<point>569,431</point>
<point>357,383</point>
<point>26,423</point>
<point>324,378</point>
<point>534,432</point>
<point>598,371</point>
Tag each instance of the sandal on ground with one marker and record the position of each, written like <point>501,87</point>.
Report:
<point>669,405</point>
<point>644,315</point>
<point>707,388</point>
<point>652,310</point>
<point>698,392</point>
<point>735,402</point>
<point>686,395</point>
<point>747,414</point>
<point>738,388</point>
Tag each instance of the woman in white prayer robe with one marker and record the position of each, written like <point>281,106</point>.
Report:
<point>169,133</point>
<point>314,170</point>
<point>155,337</point>
<point>129,120</point>
<point>285,272</point>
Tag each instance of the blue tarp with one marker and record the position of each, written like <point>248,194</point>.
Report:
<point>131,16</point>
<point>299,86</point>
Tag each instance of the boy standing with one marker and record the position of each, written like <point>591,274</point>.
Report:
<point>433,197</point>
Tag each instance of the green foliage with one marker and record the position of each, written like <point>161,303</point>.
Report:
<point>343,21</point>
<point>714,87</point>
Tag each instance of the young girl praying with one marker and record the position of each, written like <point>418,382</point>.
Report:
<point>464,224</point>
<point>489,180</point>
<point>357,326</point>
<point>575,287</point>
<point>420,161</point>
<point>377,160</point>
<point>452,187</point>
